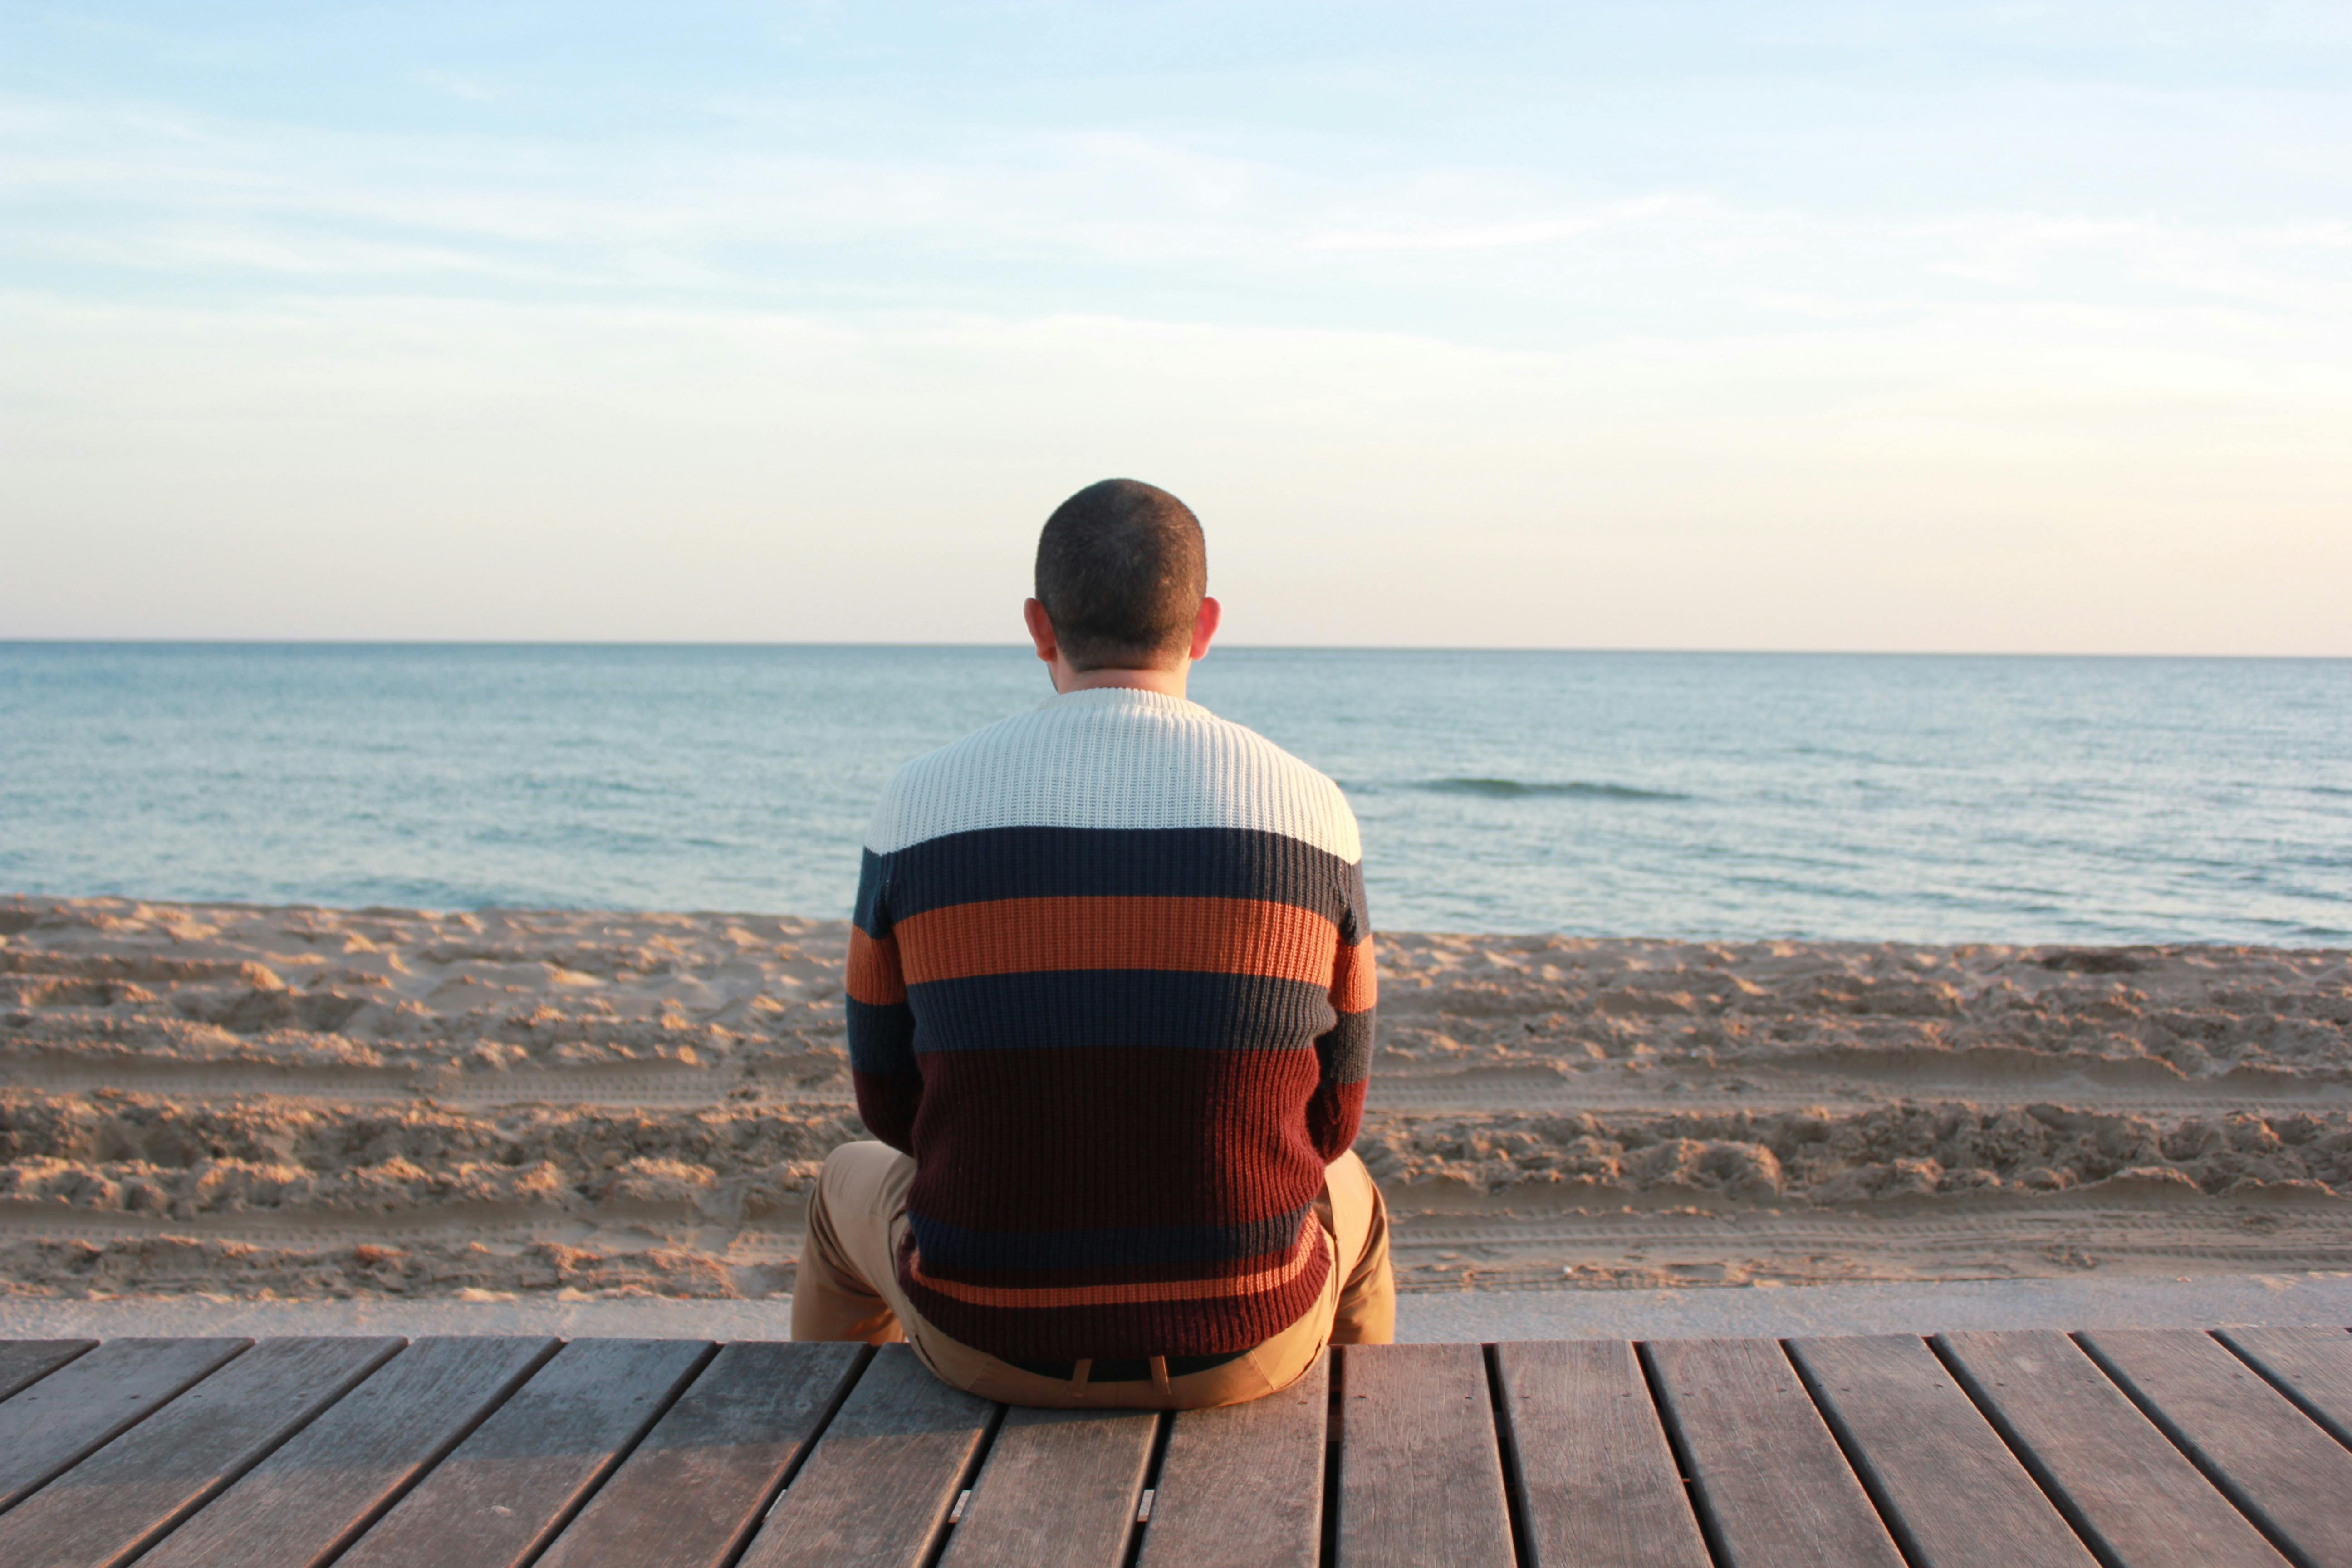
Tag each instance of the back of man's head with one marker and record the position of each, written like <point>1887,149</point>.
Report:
<point>1121,569</point>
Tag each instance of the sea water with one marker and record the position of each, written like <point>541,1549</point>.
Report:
<point>1737,795</point>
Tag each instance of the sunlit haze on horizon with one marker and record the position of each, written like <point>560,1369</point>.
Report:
<point>1967,327</point>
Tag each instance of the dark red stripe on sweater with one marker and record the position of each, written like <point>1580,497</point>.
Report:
<point>1085,1140</point>
<point>1136,1329</point>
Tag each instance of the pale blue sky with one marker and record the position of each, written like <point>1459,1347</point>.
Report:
<point>1808,325</point>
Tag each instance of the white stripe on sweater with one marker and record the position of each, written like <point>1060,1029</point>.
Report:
<point>1110,757</point>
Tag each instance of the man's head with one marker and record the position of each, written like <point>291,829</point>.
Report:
<point>1122,574</point>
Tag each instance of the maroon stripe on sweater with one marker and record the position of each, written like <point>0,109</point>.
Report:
<point>1333,1117</point>
<point>1169,1328</point>
<point>1082,1140</point>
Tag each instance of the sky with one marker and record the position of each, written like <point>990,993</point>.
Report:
<point>1968,327</point>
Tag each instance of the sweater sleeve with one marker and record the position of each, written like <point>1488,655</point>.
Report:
<point>1345,1052</point>
<point>881,1023</point>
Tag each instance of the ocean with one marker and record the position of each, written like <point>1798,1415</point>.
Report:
<point>1705,795</point>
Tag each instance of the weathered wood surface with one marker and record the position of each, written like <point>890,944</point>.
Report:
<point>2274,1462</point>
<point>695,1488</point>
<point>82,1405</point>
<point>506,1490</point>
<point>113,1505</point>
<point>877,1491</point>
<point>1059,1491</point>
<point>1947,1486</point>
<point>1242,1487</point>
<point>2311,1366</point>
<point>24,1363</point>
<point>311,1498</point>
<point>1596,1478</point>
<point>1773,1486</point>
<point>2132,1450</point>
<point>1421,1478</point>
<point>2122,1483</point>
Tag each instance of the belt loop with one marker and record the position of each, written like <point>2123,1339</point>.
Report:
<point>1159,1374</point>
<point>1078,1376</point>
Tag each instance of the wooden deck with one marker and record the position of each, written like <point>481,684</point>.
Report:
<point>2136,1449</point>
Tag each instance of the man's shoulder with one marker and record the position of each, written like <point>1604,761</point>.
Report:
<point>1114,760</point>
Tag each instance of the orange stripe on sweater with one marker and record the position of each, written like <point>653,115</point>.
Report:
<point>1218,936</point>
<point>1355,987</point>
<point>1301,1258</point>
<point>874,976</point>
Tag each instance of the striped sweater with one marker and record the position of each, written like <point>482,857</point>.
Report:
<point>1111,985</point>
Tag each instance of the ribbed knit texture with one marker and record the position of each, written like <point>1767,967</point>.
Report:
<point>1111,985</point>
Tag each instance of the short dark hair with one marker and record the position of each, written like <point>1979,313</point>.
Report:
<point>1121,568</point>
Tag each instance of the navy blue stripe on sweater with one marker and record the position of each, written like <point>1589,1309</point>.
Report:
<point>867,915</point>
<point>1347,1050</point>
<point>992,863</point>
<point>948,1247</point>
<point>1100,1009</point>
<point>881,1039</point>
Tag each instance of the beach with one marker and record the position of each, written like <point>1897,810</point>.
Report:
<point>301,1103</point>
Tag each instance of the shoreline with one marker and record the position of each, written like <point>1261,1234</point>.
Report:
<point>392,1105</point>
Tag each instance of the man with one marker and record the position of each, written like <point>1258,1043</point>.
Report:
<point>1110,1015</point>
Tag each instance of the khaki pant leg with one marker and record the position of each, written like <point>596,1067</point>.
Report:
<point>848,1289</point>
<point>848,1285</point>
<point>1367,1310</point>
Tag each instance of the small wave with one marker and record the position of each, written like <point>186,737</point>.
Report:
<point>1575,789</point>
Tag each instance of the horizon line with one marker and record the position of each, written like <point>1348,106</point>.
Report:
<point>229,642</point>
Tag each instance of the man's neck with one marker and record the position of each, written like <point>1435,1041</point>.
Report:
<point>1167,682</point>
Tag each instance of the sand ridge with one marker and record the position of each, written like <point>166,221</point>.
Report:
<point>308,1102</point>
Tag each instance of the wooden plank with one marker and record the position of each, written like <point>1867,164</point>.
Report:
<point>1945,1482</point>
<point>111,1505</point>
<point>1773,1486</point>
<point>305,1502</point>
<point>1242,1487</point>
<point>2311,1366</point>
<point>1059,1491</point>
<point>87,1403</point>
<point>2120,1482</point>
<point>1597,1482</point>
<point>504,1492</point>
<point>1420,1472</point>
<point>695,1488</point>
<point>24,1363</point>
<point>2283,1470</point>
<point>876,1492</point>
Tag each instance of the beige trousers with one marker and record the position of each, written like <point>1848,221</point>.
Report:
<point>848,1289</point>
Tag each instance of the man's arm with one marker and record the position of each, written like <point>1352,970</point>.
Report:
<point>881,1025</point>
<point>1345,1052</point>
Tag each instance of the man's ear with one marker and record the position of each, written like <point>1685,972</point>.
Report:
<point>1041,630</point>
<point>1205,625</point>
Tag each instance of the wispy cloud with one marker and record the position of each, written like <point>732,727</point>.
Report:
<point>1511,233</point>
<point>1859,295</point>
<point>465,89</point>
<point>145,186</point>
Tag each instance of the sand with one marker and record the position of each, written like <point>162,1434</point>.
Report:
<point>309,1104</point>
